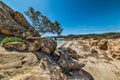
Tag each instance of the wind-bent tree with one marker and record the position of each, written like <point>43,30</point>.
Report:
<point>42,24</point>
<point>58,29</point>
<point>34,16</point>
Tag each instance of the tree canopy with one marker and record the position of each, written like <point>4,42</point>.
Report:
<point>42,24</point>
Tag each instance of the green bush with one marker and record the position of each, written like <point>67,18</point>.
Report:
<point>12,39</point>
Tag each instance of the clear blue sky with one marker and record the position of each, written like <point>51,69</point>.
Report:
<point>76,16</point>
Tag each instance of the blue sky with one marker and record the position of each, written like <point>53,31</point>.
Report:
<point>76,16</point>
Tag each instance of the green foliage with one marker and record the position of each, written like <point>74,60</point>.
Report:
<point>12,39</point>
<point>57,28</point>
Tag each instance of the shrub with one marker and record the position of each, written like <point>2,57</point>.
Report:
<point>12,39</point>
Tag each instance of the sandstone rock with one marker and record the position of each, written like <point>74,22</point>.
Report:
<point>94,51</point>
<point>94,42</point>
<point>101,71</point>
<point>45,50</point>
<point>116,54</point>
<point>20,46</point>
<point>67,62</point>
<point>13,23</point>
<point>103,45</point>
<point>111,44</point>
<point>98,62</point>
<point>73,53</point>
<point>5,31</point>
<point>35,46</point>
<point>28,66</point>
<point>56,53</point>
<point>19,18</point>
<point>50,44</point>
<point>13,64</point>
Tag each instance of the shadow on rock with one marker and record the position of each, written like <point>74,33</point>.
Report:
<point>86,75</point>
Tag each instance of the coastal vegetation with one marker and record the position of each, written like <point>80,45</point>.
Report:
<point>12,39</point>
<point>42,24</point>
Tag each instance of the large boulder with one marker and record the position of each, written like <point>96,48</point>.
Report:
<point>13,22</point>
<point>45,50</point>
<point>35,46</point>
<point>66,60</point>
<point>50,44</point>
<point>5,31</point>
<point>45,45</point>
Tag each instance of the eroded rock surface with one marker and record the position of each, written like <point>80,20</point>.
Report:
<point>74,60</point>
<point>101,59</point>
<point>37,66</point>
<point>20,46</point>
<point>14,23</point>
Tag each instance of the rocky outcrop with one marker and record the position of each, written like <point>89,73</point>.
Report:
<point>19,46</point>
<point>39,66</point>
<point>37,60</point>
<point>34,46</point>
<point>45,50</point>
<point>66,60</point>
<point>114,47</point>
<point>84,59</point>
<point>14,23</point>
<point>50,44</point>
<point>110,45</point>
<point>45,45</point>
<point>101,60</point>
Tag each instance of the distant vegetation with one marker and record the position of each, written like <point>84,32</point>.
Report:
<point>42,24</point>
<point>95,36</point>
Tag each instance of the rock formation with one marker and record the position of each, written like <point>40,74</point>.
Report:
<point>38,59</point>
<point>14,23</point>
<point>101,60</point>
<point>39,66</point>
<point>20,46</point>
<point>41,59</point>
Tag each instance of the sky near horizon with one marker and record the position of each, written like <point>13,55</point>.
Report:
<point>76,16</point>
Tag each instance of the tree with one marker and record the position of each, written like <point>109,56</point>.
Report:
<point>58,29</point>
<point>42,24</point>
<point>34,16</point>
